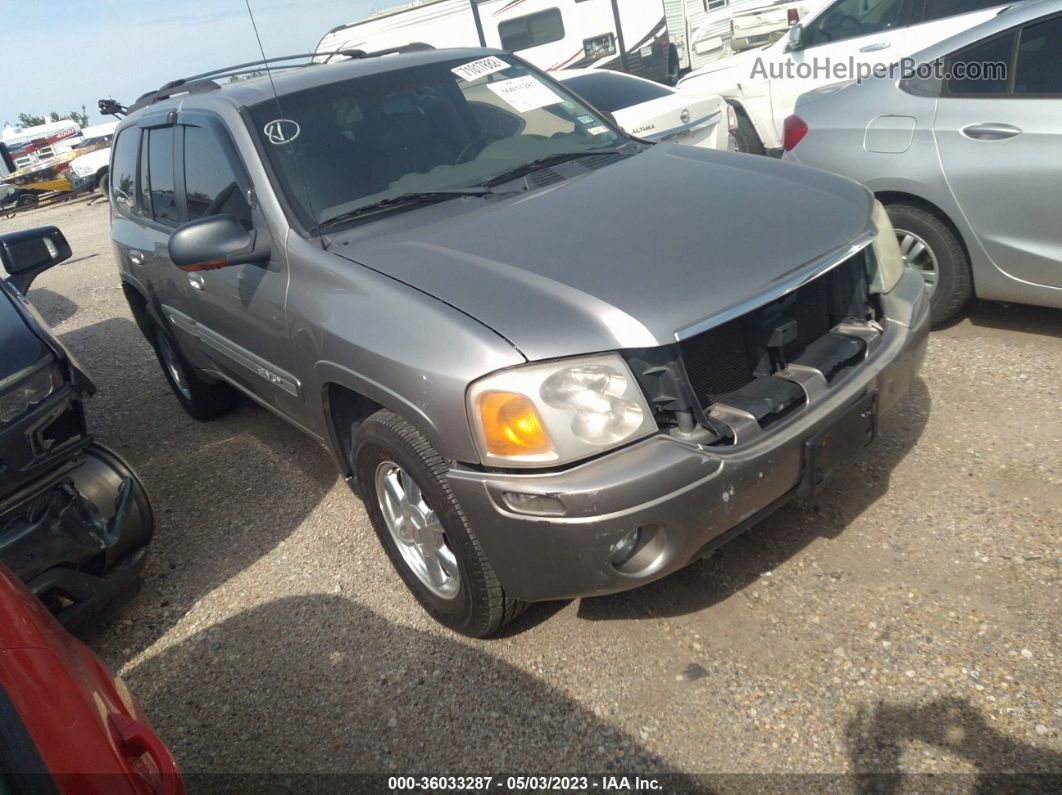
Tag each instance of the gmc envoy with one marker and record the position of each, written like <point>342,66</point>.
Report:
<point>552,359</point>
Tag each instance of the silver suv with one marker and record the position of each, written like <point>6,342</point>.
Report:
<point>552,359</point>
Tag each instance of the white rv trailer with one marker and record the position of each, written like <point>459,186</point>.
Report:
<point>628,35</point>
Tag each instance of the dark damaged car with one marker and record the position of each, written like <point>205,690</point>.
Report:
<point>75,520</point>
<point>554,360</point>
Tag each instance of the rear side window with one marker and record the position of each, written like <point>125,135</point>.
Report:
<point>161,188</point>
<point>940,9</point>
<point>532,30</point>
<point>983,68</point>
<point>123,170</point>
<point>1039,64</point>
<point>210,182</point>
<point>610,92</point>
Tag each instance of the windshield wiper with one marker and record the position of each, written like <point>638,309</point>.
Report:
<point>404,200</point>
<point>548,160</point>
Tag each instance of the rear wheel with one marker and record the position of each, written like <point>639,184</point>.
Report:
<point>745,136</point>
<point>203,400</point>
<point>931,248</point>
<point>424,530</point>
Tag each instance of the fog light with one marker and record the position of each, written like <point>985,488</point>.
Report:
<point>622,550</point>
<point>538,504</point>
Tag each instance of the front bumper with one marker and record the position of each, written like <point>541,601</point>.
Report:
<point>78,536</point>
<point>688,498</point>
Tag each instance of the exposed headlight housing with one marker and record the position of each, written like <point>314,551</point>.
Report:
<point>888,260</point>
<point>80,168</point>
<point>27,390</point>
<point>556,412</point>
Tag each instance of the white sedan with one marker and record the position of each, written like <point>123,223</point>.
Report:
<point>654,111</point>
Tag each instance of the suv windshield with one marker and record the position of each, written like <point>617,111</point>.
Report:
<point>439,127</point>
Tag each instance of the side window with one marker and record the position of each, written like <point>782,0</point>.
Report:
<point>980,69</point>
<point>161,187</point>
<point>531,30</point>
<point>211,186</point>
<point>123,170</point>
<point>848,19</point>
<point>940,9</point>
<point>1039,64</point>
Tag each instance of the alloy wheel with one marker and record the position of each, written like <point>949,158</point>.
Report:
<point>416,530</point>
<point>918,255</point>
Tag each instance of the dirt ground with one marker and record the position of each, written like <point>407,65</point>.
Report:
<point>905,621</point>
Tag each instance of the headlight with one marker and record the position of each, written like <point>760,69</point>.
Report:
<point>886,250</point>
<point>28,390</point>
<point>557,412</point>
<point>79,169</point>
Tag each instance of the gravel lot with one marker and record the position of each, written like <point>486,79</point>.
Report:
<point>905,621</point>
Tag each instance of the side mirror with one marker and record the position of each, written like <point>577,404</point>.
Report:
<point>796,38</point>
<point>214,242</point>
<point>28,254</point>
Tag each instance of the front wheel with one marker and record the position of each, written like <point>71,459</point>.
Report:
<point>745,136</point>
<point>423,529</point>
<point>203,400</point>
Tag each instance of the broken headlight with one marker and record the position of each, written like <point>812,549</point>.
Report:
<point>556,412</point>
<point>26,390</point>
<point>886,250</point>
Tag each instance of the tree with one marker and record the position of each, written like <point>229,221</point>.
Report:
<point>29,120</point>
<point>81,118</point>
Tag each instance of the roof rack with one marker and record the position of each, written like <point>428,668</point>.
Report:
<point>207,81</point>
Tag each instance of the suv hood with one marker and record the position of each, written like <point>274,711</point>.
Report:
<point>622,257</point>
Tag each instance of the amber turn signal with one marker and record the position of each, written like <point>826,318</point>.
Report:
<point>511,425</point>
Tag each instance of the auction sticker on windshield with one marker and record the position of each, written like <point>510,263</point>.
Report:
<point>481,68</point>
<point>524,93</point>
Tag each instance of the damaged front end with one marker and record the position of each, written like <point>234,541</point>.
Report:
<point>79,536</point>
<point>75,520</point>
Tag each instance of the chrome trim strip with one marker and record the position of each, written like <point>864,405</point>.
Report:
<point>805,273</point>
<point>244,358</point>
<point>685,127</point>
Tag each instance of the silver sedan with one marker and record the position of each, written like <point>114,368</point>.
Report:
<point>964,148</point>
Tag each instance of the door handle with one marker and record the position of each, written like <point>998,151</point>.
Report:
<point>136,257</point>
<point>878,45</point>
<point>991,131</point>
<point>197,281</point>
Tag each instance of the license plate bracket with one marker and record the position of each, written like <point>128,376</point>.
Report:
<point>831,450</point>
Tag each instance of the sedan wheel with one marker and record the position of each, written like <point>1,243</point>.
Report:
<point>416,530</point>
<point>918,255</point>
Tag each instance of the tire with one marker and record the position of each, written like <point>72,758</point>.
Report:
<point>745,135</point>
<point>472,603</point>
<point>203,400</point>
<point>953,279</point>
<point>102,183</point>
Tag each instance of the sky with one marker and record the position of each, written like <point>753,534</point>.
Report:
<point>62,54</point>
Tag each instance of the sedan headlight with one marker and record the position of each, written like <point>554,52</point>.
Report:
<point>886,250</point>
<point>79,168</point>
<point>28,390</point>
<point>553,413</point>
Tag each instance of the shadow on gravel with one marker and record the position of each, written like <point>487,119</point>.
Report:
<point>1037,320</point>
<point>224,492</point>
<point>781,535</point>
<point>54,308</point>
<point>317,684</point>
<point>876,736</point>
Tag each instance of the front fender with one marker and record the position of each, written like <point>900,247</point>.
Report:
<point>389,343</point>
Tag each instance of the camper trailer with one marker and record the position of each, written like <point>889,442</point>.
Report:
<point>628,35</point>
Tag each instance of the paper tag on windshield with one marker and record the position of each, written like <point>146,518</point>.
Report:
<point>525,93</point>
<point>598,130</point>
<point>481,68</point>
